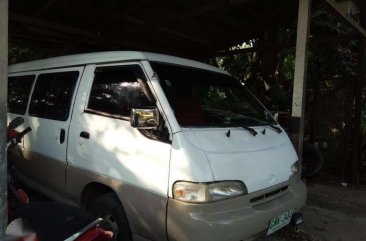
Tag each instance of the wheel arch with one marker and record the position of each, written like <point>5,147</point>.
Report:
<point>92,191</point>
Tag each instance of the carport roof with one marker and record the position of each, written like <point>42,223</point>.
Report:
<point>194,28</point>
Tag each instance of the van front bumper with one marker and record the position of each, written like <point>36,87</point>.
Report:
<point>234,219</point>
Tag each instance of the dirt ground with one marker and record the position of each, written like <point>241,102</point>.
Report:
<point>333,213</point>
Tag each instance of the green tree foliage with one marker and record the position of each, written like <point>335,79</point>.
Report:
<point>18,54</point>
<point>268,71</point>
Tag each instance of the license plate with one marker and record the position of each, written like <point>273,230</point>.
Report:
<point>279,221</point>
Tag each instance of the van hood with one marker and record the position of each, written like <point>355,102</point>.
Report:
<point>259,161</point>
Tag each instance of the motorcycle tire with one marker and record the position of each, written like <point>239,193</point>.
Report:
<point>312,160</point>
<point>111,210</point>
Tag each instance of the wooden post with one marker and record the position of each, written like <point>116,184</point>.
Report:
<point>360,81</point>
<point>3,111</point>
<point>298,97</point>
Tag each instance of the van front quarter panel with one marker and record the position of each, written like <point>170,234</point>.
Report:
<point>187,163</point>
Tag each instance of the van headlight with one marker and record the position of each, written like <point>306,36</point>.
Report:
<point>295,168</point>
<point>294,172</point>
<point>207,192</point>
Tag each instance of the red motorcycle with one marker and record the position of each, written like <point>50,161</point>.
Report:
<point>45,221</point>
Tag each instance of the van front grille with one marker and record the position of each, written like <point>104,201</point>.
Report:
<point>269,194</point>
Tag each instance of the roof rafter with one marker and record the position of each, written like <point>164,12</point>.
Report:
<point>52,28</point>
<point>200,10</point>
<point>125,12</point>
<point>39,12</point>
<point>44,8</point>
<point>50,25</point>
<point>161,28</point>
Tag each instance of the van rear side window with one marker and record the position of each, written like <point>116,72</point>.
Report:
<point>19,88</point>
<point>116,90</point>
<point>52,95</point>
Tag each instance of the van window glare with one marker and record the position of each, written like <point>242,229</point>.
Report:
<point>115,91</point>
<point>19,88</point>
<point>52,95</point>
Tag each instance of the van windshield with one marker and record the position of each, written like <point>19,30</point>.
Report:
<point>209,99</point>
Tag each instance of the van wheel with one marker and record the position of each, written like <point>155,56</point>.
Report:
<point>111,210</point>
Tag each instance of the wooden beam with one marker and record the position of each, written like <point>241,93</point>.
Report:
<point>50,25</point>
<point>233,2</point>
<point>222,20</point>
<point>92,34</point>
<point>38,13</point>
<point>212,28</point>
<point>44,8</point>
<point>4,10</point>
<point>32,30</point>
<point>193,12</point>
<point>126,12</point>
<point>39,38</point>
<point>348,18</point>
<point>166,30</point>
<point>201,9</point>
<point>86,36</point>
<point>184,35</point>
<point>298,96</point>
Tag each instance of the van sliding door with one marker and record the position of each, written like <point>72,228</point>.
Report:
<point>50,111</point>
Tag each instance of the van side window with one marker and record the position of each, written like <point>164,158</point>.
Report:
<point>52,95</point>
<point>116,90</point>
<point>19,88</point>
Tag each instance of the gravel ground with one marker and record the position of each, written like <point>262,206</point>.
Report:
<point>332,213</point>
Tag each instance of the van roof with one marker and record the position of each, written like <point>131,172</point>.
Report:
<point>105,57</point>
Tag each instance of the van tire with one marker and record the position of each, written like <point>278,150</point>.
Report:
<point>109,207</point>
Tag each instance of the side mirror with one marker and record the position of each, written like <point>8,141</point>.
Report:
<point>147,118</point>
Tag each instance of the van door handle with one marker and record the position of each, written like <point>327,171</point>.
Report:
<point>85,134</point>
<point>62,136</point>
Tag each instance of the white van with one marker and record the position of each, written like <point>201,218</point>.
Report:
<point>163,148</point>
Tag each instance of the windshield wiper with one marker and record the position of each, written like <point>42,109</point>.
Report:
<point>275,127</point>
<point>251,130</point>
